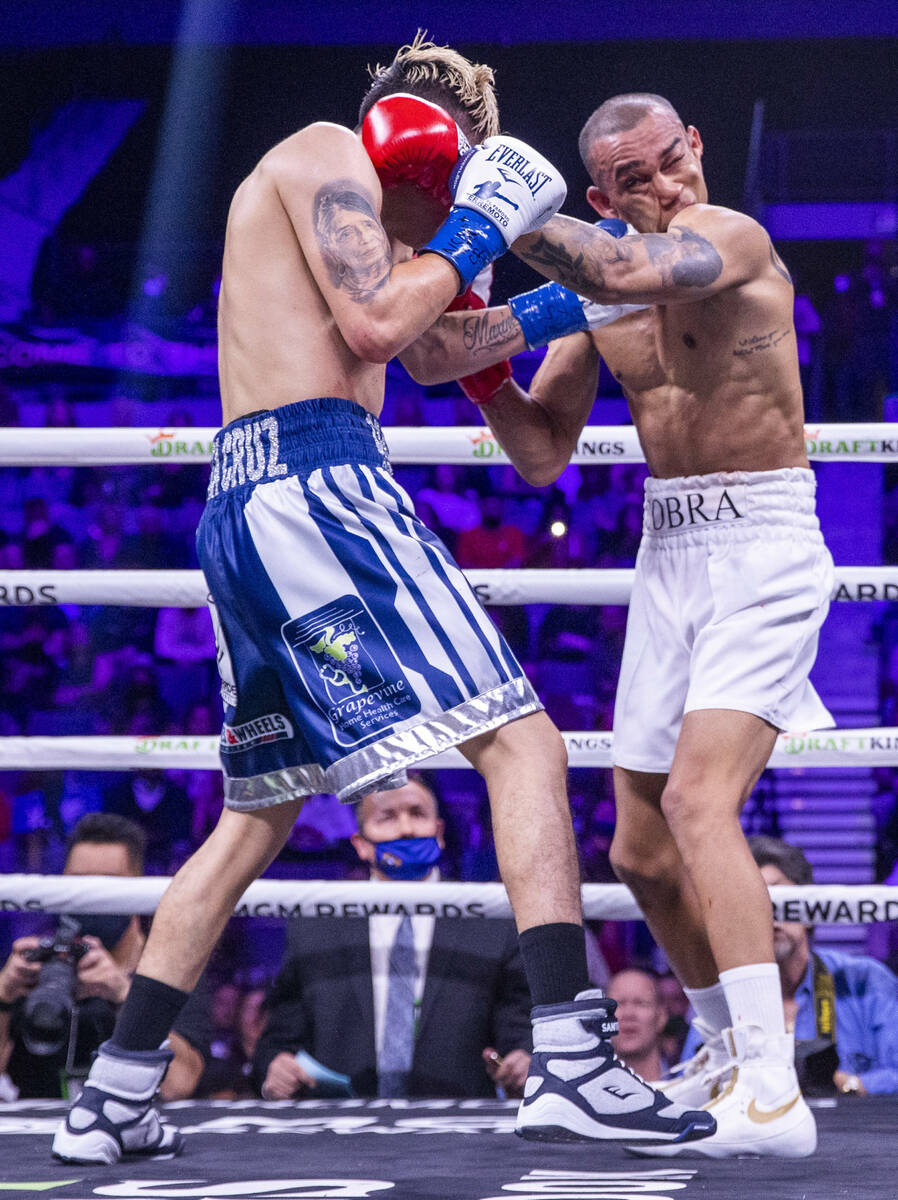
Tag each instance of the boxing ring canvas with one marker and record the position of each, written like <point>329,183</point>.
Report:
<point>435,1150</point>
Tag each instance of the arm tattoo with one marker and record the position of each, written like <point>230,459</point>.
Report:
<point>352,241</point>
<point>568,266</point>
<point>682,258</point>
<point>481,334</point>
<point>778,264</point>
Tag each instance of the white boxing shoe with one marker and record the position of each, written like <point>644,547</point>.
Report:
<point>114,1116</point>
<point>760,1110</point>
<point>699,1079</point>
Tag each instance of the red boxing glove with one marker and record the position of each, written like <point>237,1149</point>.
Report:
<point>410,140</point>
<point>482,386</point>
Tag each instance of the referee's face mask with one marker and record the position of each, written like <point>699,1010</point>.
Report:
<point>400,832</point>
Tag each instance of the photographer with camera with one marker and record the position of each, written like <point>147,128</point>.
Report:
<point>59,994</point>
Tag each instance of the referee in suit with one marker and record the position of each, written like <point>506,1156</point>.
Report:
<point>405,1006</point>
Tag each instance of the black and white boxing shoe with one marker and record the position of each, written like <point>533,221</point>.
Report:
<point>578,1090</point>
<point>114,1116</point>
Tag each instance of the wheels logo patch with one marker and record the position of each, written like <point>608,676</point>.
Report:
<point>350,671</point>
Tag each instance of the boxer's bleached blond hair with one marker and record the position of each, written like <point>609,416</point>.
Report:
<point>442,75</point>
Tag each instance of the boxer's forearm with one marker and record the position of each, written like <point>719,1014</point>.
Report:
<point>539,431</point>
<point>461,343</point>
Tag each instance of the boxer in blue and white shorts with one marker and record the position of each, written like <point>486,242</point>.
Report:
<point>350,645</point>
<point>362,650</point>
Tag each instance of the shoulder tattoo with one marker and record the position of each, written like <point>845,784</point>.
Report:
<point>778,264</point>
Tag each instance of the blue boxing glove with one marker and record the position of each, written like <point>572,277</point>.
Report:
<point>552,311</point>
<point>501,189</point>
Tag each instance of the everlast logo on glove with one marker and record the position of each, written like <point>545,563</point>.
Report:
<point>690,509</point>
<point>511,158</point>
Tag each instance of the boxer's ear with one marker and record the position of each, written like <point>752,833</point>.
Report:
<point>600,202</point>
<point>696,145</point>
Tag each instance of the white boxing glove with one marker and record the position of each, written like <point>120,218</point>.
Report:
<point>502,189</point>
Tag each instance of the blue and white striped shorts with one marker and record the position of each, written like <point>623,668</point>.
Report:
<point>350,645</point>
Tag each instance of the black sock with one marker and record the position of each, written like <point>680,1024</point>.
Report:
<point>555,961</point>
<point>148,1014</point>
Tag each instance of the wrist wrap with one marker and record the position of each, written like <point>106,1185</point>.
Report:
<point>548,312</point>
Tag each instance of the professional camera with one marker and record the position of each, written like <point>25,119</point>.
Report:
<point>47,1013</point>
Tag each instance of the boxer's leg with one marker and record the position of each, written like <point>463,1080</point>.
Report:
<point>720,756</point>
<point>576,1088</point>
<point>114,1114</point>
<point>202,896</point>
<point>760,1110</point>
<point>645,857</point>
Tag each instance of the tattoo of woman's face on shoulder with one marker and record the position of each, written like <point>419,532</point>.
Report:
<point>352,241</point>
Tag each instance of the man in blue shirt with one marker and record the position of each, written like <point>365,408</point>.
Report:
<point>863,992</point>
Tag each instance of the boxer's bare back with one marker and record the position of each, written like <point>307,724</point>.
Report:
<point>306,305</point>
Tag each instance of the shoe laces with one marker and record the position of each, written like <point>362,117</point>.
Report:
<point>716,1074</point>
<point>693,1065</point>
<point>593,1027</point>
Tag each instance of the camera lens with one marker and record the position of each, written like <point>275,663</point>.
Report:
<point>48,1007</point>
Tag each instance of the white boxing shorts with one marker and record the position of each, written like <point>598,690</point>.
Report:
<point>732,584</point>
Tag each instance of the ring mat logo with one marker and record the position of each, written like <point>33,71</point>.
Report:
<point>245,1189</point>
<point>594,1185</point>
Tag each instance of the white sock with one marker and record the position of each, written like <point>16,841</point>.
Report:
<point>754,996</point>
<point>710,1004</point>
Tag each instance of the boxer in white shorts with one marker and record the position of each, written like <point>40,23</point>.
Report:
<point>732,582</point>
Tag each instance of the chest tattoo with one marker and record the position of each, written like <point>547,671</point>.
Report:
<point>745,347</point>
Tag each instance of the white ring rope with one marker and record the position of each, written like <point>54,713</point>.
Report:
<point>866,442</point>
<point>188,752</point>
<point>837,904</point>
<point>187,589</point>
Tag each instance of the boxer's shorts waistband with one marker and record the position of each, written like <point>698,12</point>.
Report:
<point>730,505</point>
<point>295,439</point>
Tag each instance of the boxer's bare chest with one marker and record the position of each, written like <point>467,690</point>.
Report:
<point>685,347</point>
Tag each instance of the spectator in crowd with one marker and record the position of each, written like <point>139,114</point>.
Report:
<point>448,506</point>
<point>641,1018</point>
<point>676,1030</point>
<point>149,798</point>
<point>41,535</point>
<point>100,844</point>
<point>404,1006</point>
<point>855,1051</point>
<point>493,543</point>
<point>238,1018</point>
